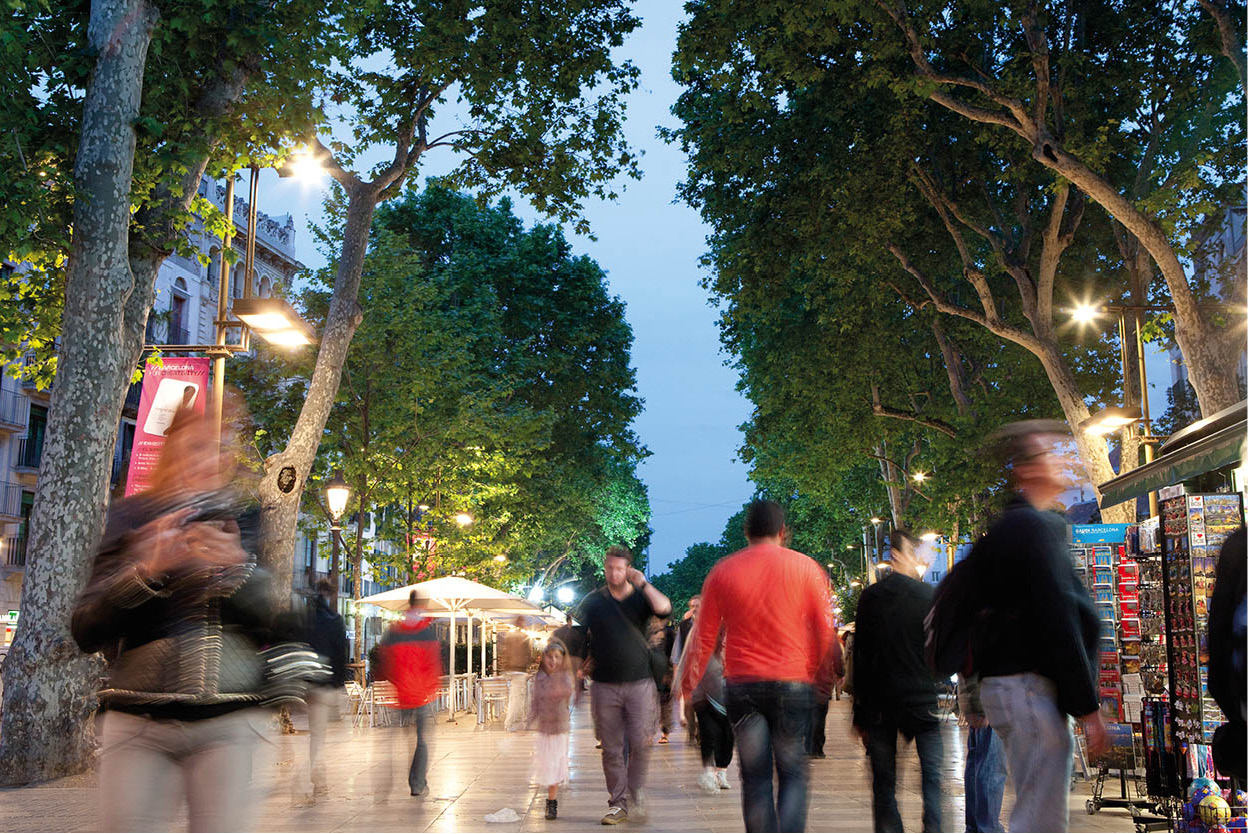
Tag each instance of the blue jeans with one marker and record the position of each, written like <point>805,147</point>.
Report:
<point>769,720</point>
<point>984,780</point>
<point>882,749</point>
<point>419,720</point>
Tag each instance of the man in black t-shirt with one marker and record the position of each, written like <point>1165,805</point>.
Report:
<point>624,699</point>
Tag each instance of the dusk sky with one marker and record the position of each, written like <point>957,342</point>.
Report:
<point>649,245</point>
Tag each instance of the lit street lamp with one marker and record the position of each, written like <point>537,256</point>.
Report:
<point>564,595</point>
<point>1111,420</point>
<point>337,494</point>
<point>463,519</point>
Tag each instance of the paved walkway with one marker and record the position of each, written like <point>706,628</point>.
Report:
<point>476,771</point>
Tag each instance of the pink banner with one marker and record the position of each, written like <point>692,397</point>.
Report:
<point>177,383</point>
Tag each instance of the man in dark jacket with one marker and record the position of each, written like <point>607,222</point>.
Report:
<point>893,689</point>
<point>327,635</point>
<point>1036,643</point>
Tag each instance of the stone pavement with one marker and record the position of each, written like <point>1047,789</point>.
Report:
<point>475,771</point>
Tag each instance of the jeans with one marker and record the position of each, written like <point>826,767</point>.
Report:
<point>1023,711</point>
<point>882,750</point>
<point>769,720</point>
<point>416,722</point>
<point>147,766</point>
<point>715,738</point>
<point>625,717</point>
<point>984,780</point>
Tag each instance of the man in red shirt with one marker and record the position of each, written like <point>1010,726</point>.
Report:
<point>774,604</point>
<point>412,661</point>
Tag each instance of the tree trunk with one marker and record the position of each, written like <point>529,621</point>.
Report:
<point>280,509</point>
<point>49,690</point>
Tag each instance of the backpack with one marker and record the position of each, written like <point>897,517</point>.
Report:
<point>957,606</point>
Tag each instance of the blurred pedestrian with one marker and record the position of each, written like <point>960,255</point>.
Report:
<point>516,656</point>
<point>624,697</point>
<point>711,707</point>
<point>1036,644</point>
<point>412,662</point>
<point>327,635</point>
<point>984,774</point>
<point>685,711</point>
<point>662,638</point>
<point>775,606</point>
<point>1228,636</point>
<point>179,608</point>
<point>826,681</point>
<point>894,691</point>
<point>553,691</point>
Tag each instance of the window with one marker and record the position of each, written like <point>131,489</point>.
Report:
<point>309,552</point>
<point>32,447</point>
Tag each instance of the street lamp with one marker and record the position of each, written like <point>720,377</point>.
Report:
<point>1111,420</point>
<point>463,519</point>
<point>337,493</point>
<point>274,320</point>
<point>564,595</point>
<point>929,536</point>
<point>919,477</point>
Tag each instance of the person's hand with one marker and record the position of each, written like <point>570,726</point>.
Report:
<point>212,546</point>
<point>636,578</point>
<point>1095,733</point>
<point>160,543</point>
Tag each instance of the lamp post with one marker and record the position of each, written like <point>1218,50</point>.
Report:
<point>278,322</point>
<point>337,493</point>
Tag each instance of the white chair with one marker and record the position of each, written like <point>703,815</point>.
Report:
<point>355,702</point>
<point>386,697</point>
<point>491,699</point>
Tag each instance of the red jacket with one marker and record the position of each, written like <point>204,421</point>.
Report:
<point>776,609</point>
<point>411,659</point>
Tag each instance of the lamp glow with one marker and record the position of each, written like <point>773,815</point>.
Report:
<point>337,493</point>
<point>536,594</point>
<point>1110,420</point>
<point>876,520</point>
<point>500,558</point>
<point>463,519</point>
<point>1084,313</point>
<point>928,537</point>
<point>564,595</point>
<point>920,477</point>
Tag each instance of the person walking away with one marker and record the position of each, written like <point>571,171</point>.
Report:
<point>553,690</point>
<point>775,606</point>
<point>685,710</point>
<point>174,584</point>
<point>711,708</point>
<point>516,655</point>
<point>1228,624</point>
<point>894,691</point>
<point>327,635</point>
<point>662,637</point>
<point>1036,642</point>
<point>984,774</point>
<point>827,680</point>
<point>411,660</point>
<point>624,699</point>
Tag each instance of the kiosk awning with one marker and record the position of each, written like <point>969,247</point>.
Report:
<point>1221,446</point>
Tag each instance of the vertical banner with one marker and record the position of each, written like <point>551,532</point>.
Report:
<point>176,383</point>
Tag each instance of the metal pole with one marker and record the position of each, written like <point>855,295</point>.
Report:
<point>249,262</point>
<point>333,563</point>
<point>223,292</point>
<point>1146,423</point>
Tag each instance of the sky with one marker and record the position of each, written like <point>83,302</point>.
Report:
<point>649,246</point>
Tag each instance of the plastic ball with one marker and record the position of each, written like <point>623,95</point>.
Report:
<point>1197,795</point>
<point>1188,811</point>
<point>1214,811</point>
<point>1239,799</point>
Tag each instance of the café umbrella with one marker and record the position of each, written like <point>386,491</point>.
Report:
<point>450,596</point>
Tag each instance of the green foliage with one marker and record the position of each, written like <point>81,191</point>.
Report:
<point>489,376</point>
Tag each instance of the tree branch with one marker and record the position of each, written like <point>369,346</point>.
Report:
<point>1231,47</point>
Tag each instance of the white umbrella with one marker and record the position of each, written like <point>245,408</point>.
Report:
<point>451,595</point>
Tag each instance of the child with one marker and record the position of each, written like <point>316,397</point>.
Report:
<point>552,698</point>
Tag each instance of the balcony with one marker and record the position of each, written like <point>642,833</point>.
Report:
<point>10,501</point>
<point>28,382</point>
<point>29,454</point>
<point>166,333</point>
<point>12,411</point>
<point>14,551</point>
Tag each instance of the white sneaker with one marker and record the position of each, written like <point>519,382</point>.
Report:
<point>721,779</point>
<point>706,781</point>
<point>615,815</point>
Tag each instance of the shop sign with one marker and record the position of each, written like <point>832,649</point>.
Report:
<point>12,618</point>
<point>174,384</point>
<point>1099,533</point>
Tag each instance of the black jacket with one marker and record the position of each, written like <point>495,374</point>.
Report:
<point>327,635</point>
<point>184,647</point>
<point>891,677</point>
<point>1040,617</point>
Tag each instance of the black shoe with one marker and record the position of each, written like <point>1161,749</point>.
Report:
<point>552,809</point>
<point>420,792</point>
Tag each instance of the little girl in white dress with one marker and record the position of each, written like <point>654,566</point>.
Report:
<point>552,698</point>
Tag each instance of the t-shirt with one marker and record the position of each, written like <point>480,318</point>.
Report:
<point>618,649</point>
